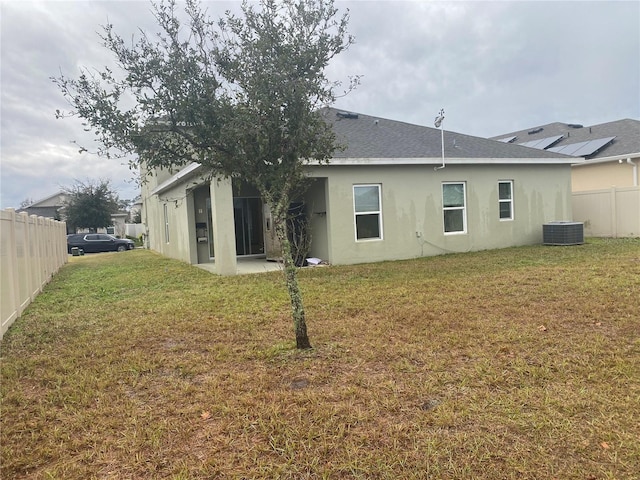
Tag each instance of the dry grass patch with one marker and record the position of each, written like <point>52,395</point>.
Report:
<point>516,363</point>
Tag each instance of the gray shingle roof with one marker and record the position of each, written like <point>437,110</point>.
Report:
<point>626,131</point>
<point>372,137</point>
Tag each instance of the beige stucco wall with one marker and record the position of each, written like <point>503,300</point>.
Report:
<point>177,202</point>
<point>412,209</point>
<point>181,216</point>
<point>316,209</point>
<point>411,212</point>
<point>597,176</point>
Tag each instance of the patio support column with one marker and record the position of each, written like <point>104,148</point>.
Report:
<point>192,244</point>
<point>224,232</point>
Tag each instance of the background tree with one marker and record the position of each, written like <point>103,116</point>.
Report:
<point>240,95</point>
<point>90,205</point>
<point>26,202</point>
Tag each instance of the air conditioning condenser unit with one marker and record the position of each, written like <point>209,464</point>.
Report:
<point>563,233</point>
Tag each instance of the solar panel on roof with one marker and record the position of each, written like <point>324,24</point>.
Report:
<point>593,146</point>
<point>507,139</point>
<point>582,149</point>
<point>542,143</point>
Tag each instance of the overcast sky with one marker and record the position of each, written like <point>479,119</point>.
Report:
<point>495,67</point>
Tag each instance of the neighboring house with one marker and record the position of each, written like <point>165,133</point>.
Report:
<point>386,196</point>
<point>48,207</point>
<point>118,225</point>
<point>606,196</point>
<point>53,207</point>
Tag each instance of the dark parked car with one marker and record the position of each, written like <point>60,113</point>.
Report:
<point>98,242</point>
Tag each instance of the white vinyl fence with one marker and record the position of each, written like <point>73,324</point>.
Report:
<point>134,229</point>
<point>32,250</point>
<point>613,212</point>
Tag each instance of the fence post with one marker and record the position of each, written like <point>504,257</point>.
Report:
<point>30,273</point>
<point>614,212</point>
<point>28,249</point>
<point>9,288</point>
<point>15,278</point>
<point>46,230</point>
<point>42,258</point>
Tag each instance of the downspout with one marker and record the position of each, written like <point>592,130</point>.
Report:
<point>635,171</point>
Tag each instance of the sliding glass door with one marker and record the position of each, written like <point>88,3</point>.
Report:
<point>248,224</point>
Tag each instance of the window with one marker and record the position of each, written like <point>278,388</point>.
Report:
<point>505,199</point>
<point>454,207</point>
<point>111,230</point>
<point>367,210</point>
<point>166,223</point>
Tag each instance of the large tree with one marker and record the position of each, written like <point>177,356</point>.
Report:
<point>241,95</point>
<point>90,205</point>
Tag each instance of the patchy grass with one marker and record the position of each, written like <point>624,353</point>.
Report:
<point>517,363</point>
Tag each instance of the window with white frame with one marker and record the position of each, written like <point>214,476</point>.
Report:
<point>367,211</point>
<point>505,199</point>
<point>454,207</point>
<point>166,223</point>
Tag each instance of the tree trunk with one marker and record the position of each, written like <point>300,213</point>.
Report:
<point>291,278</point>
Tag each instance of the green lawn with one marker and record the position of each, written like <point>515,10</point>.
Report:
<point>521,363</point>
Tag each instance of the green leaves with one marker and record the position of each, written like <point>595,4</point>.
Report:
<point>239,95</point>
<point>90,204</point>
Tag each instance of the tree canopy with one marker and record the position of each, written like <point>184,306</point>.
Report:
<point>90,205</point>
<point>240,95</point>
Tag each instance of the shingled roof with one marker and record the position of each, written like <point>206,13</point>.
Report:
<point>626,135</point>
<point>369,137</point>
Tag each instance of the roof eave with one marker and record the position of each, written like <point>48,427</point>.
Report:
<point>448,161</point>
<point>613,158</point>
<point>176,179</point>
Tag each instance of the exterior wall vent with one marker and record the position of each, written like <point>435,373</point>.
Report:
<point>563,233</point>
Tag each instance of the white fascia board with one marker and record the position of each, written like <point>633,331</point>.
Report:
<point>179,177</point>
<point>448,161</point>
<point>614,158</point>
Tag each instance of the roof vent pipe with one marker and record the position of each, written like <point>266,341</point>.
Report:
<point>438,123</point>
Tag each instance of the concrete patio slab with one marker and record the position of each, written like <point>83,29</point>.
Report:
<point>247,266</point>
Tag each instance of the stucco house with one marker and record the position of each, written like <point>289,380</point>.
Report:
<point>605,181</point>
<point>52,206</point>
<point>48,207</point>
<point>388,195</point>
